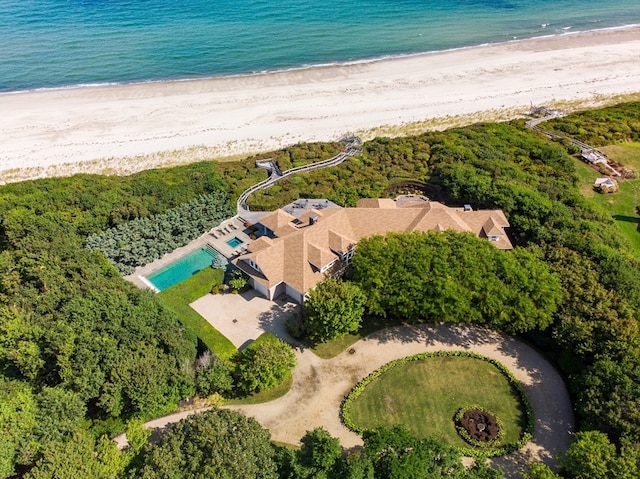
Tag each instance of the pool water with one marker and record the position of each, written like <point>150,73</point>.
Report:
<point>182,269</point>
<point>233,242</point>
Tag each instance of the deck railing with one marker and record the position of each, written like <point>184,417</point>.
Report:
<point>351,148</point>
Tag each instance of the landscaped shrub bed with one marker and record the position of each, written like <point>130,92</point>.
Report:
<point>476,450</point>
<point>143,240</point>
<point>479,427</point>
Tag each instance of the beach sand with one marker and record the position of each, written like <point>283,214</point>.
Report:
<point>122,129</point>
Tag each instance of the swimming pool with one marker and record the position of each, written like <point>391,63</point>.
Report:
<point>235,241</point>
<point>183,268</point>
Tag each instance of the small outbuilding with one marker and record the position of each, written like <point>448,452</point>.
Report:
<point>605,185</point>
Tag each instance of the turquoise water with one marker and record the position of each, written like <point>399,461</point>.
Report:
<point>233,242</point>
<point>182,269</point>
<point>56,43</point>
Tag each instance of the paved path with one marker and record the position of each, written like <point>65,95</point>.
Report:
<point>320,385</point>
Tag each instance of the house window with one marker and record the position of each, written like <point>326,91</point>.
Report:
<point>348,255</point>
<point>493,238</point>
<point>253,264</point>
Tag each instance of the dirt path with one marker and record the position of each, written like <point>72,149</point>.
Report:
<point>320,385</point>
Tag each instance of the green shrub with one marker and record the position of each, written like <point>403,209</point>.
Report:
<point>264,364</point>
<point>144,240</point>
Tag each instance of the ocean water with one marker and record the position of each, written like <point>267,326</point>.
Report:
<point>58,43</point>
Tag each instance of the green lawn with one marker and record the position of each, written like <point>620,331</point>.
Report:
<point>424,395</point>
<point>264,396</point>
<point>621,205</point>
<point>178,297</point>
<point>332,348</point>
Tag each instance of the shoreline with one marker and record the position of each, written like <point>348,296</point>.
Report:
<point>119,129</point>
<point>305,67</point>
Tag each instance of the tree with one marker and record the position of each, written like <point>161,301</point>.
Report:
<point>18,409</point>
<point>592,456</point>
<point>59,412</point>
<point>213,375</point>
<point>79,457</point>
<point>355,466</point>
<point>455,277</point>
<point>398,455</point>
<point>319,453</point>
<point>238,280</point>
<point>263,364</point>
<point>321,457</point>
<point>334,308</point>
<point>217,444</point>
<point>539,470</point>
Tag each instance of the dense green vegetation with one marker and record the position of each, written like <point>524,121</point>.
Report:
<point>177,299</point>
<point>264,364</point>
<point>218,444</point>
<point>80,346</point>
<point>333,309</point>
<point>84,351</point>
<point>424,395</point>
<point>455,277</point>
<point>606,126</point>
<point>143,240</point>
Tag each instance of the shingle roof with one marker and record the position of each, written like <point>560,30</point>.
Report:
<point>301,249</point>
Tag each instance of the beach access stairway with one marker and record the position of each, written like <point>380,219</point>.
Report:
<point>585,149</point>
<point>352,147</point>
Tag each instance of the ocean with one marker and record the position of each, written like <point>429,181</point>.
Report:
<point>62,43</point>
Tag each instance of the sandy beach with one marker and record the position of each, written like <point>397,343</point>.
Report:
<point>122,129</point>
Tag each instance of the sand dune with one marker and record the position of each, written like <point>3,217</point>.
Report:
<point>120,129</point>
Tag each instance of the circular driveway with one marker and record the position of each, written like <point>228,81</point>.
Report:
<point>319,387</point>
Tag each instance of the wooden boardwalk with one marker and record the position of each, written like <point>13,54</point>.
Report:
<point>591,154</point>
<point>352,147</point>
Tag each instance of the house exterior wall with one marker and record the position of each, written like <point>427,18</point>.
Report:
<point>277,290</point>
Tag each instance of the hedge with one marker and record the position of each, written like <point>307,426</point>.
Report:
<point>345,412</point>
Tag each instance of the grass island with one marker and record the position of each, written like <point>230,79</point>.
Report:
<point>424,392</point>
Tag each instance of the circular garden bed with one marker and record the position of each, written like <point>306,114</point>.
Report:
<point>465,400</point>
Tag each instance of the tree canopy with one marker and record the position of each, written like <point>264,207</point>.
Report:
<point>218,444</point>
<point>334,308</point>
<point>455,277</point>
<point>263,364</point>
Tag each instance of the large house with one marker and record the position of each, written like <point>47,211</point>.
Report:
<point>294,253</point>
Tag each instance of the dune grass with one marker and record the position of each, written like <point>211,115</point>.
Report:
<point>424,396</point>
<point>178,297</point>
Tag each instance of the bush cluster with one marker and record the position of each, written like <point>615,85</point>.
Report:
<point>345,411</point>
<point>143,240</point>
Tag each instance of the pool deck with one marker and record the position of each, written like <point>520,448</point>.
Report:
<point>217,238</point>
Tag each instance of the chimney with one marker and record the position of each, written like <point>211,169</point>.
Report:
<point>313,219</point>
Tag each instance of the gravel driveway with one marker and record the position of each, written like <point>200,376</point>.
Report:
<point>320,385</point>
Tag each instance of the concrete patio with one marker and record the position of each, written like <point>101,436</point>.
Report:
<point>244,317</point>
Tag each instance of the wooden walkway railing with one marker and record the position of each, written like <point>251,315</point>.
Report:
<point>584,148</point>
<point>351,148</point>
